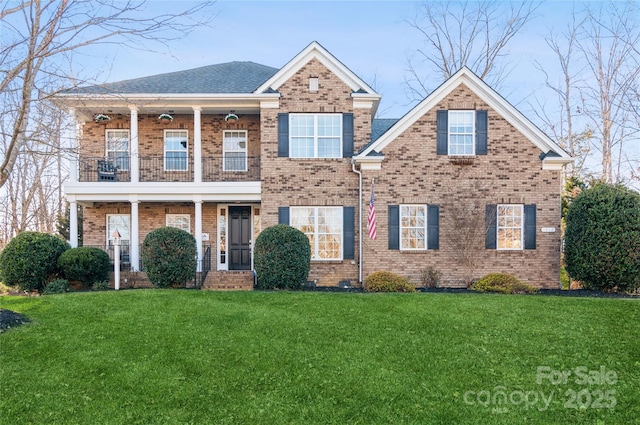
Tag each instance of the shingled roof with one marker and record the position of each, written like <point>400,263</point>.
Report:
<point>231,77</point>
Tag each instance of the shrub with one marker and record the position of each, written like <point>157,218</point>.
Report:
<point>430,277</point>
<point>502,283</point>
<point>602,241</point>
<point>169,257</point>
<point>58,286</point>
<point>30,260</point>
<point>382,281</point>
<point>102,285</point>
<point>84,264</point>
<point>282,258</point>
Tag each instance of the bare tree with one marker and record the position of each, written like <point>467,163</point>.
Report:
<point>458,34</point>
<point>40,37</point>
<point>608,43</point>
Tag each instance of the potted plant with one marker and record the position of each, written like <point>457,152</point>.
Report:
<point>165,118</point>
<point>231,118</point>
<point>102,118</point>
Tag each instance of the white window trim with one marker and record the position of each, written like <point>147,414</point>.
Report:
<point>245,151</point>
<point>168,217</point>
<point>473,134</point>
<point>164,142</point>
<point>426,227</point>
<point>498,227</point>
<point>314,249</point>
<point>315,136</point>
<point>106,144</point>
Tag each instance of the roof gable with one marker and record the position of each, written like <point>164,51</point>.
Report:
<point>488,95</point>
<point>316,51</point>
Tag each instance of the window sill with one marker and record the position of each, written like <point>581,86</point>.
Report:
<point>462,159</point>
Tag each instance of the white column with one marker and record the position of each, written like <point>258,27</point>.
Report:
<point>73,223</point>
<point>198,230</point>
<point>75,143</point>
<point>134,163</point>
<point>134,238</point>
<point>197,144</point>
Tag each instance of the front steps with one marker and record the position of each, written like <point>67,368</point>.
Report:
<point>240,280</point>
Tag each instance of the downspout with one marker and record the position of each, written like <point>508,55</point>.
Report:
<point>359,173</point>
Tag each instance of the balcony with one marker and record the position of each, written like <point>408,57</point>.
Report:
<point>170,169</point>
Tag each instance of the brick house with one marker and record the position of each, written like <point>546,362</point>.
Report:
<point>464,183</point>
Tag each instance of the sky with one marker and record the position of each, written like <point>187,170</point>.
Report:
<point>371,38</point>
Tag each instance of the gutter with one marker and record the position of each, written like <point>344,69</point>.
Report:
<point>359,173</point>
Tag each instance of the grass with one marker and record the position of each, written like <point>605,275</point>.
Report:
<point>197,357</point>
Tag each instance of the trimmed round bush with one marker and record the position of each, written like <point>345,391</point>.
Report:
<point>169,257</point>
<point>57,286</point>
<point>85,264</point>
<point>502,283</point>
<point>102,285</point>
<point>383,281</point>
<point>282,258</point>
<point>602,241</point>
<point>30,260</point>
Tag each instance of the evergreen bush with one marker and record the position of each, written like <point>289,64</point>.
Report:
<point>382,281</point>
<point>57,286</point>
<point>30,260</point>
<point>85,264</point>
<point>169,257</point>
<point>282,258</point>
<point>502,283</point>
<point>602,241</point>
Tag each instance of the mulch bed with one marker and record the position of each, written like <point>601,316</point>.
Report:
<point>10,319</point>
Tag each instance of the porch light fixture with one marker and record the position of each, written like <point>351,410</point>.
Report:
<point>165,118</point>
<point>231,118</point>
<point>101,118</point>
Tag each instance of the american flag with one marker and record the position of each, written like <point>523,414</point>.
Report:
<point>372,215</point>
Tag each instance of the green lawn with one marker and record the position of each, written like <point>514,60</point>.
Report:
<point>197,357</point>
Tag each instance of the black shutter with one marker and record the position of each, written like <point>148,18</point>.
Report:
<point>490,240</point>
<point>442,130</point>
<point>347,135</point>
<point>530,226</point>
<point>348,233</point>
<point>283,135</point>
<point>433,227</point>
<point>481,132</point>
<point>283,215</point>
<point>394,227</point>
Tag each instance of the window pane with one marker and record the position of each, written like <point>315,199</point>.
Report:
<point>323,227</point>
<point>413,227</point>
<point>315,135</point>
<point>509,225</point>
<point>461,132</point>
<point>119,223</point>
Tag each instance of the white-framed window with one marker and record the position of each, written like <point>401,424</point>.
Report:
<point>510,227</point>
<point>315,135</point>
<point>461,132</point>
<point>179,221</point>
<point>323,227</point>
<point>234,150</point>
<point>117,148</point>
<point>175,150</point>
<point>413,227</point>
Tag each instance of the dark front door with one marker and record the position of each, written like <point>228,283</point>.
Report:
<point>240,237</point>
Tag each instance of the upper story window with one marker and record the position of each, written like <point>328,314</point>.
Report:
<point>117,148</point>
<point>175,150</point>
<point>315,135</point>
<point>234,150</point>
<point>323,227</point>
<point>461,132</point>
<point>510,226</point>
<point>179,221</point>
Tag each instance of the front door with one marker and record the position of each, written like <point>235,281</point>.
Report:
<point>240,237</point>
